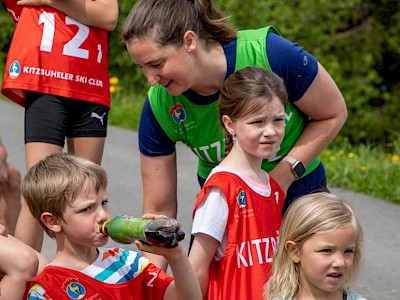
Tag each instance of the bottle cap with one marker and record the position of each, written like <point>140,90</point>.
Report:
<point>104,227</point>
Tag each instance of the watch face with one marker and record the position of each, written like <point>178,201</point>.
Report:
<point>299,169</point>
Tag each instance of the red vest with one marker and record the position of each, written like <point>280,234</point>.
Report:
<point>61,283</point>
<point>253,231</point>
<point>52,53</point>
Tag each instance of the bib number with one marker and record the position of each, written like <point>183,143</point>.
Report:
<point>73,46</point>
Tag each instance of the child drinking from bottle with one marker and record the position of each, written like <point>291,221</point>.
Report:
<point>320,251</point>
<point>67,195</point>
<point>237,213</point>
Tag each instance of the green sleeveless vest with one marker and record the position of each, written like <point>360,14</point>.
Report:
<point>198,126</point>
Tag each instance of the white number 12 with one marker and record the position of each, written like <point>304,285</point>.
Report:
<point>71,48</point>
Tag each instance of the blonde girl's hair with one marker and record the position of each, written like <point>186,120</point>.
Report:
<point>306,216</point>
<point>245,92</point>
<point>54,182</point>
<point>166,21</point>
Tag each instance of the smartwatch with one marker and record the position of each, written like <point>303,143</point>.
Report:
<point>296,166</point>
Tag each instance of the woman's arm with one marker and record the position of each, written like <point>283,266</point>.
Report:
<point>159,178</point>
<point>98,13</point>
<point>325,105</point>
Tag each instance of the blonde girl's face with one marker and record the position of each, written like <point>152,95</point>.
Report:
<point>169,66</point>
<point>84,218</point>
<point>260,134</point>
<point>325,263</point>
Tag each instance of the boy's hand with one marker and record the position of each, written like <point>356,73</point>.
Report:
<point>166,232</point>
<point>168,253</point>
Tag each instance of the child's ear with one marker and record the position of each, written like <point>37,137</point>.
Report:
<point>228,124</point>
<point>51,222</point>
<point>293,251</point>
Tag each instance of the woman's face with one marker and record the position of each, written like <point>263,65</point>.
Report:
<point>168,65</point>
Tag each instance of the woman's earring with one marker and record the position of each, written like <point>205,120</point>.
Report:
<point>234,137</point>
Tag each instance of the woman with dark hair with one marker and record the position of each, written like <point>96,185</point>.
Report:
<point>187,49</point>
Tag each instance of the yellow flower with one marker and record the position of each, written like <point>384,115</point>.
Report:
<point>395,158</point>
<point>114,80</point>
<point>351,155</point>
<point>332,158</point>
<point>340,152</point>
<point>363,168</point>
<point>112,89</point>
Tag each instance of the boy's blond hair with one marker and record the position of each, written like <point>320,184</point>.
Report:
<point>54,182</point>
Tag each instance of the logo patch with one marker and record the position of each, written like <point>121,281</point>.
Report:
<point>178,113</point>
<point>241,199</point>
<point>75,290</point>
<point>97,116</point>
<point>15,69</point>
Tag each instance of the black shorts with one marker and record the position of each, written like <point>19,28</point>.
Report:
<point>50,119</point>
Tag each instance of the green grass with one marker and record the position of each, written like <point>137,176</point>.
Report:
<point>125,111</point>
<point>365,169</point>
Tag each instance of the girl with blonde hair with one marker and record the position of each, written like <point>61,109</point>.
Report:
<point>320,251</point>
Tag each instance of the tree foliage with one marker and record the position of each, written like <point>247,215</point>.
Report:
<point>357,41</point>
<point>121,64</point>
<point>6,32</point>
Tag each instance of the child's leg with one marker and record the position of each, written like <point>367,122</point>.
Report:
<point>90,148</point>
<point>86,137</point>
<point>28,229</point>
<point>10,199</point>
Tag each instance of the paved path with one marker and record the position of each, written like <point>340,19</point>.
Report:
<point>381,221</point>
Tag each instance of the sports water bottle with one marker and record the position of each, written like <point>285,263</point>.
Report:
<point>164,232</point>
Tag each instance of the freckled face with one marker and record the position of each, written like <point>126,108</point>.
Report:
<point>326,261</point>
<point>260,134</point>
<point>84,217</point>
<point>169,66</point>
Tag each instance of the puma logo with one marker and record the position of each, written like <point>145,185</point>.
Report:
<point>97,116</point>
